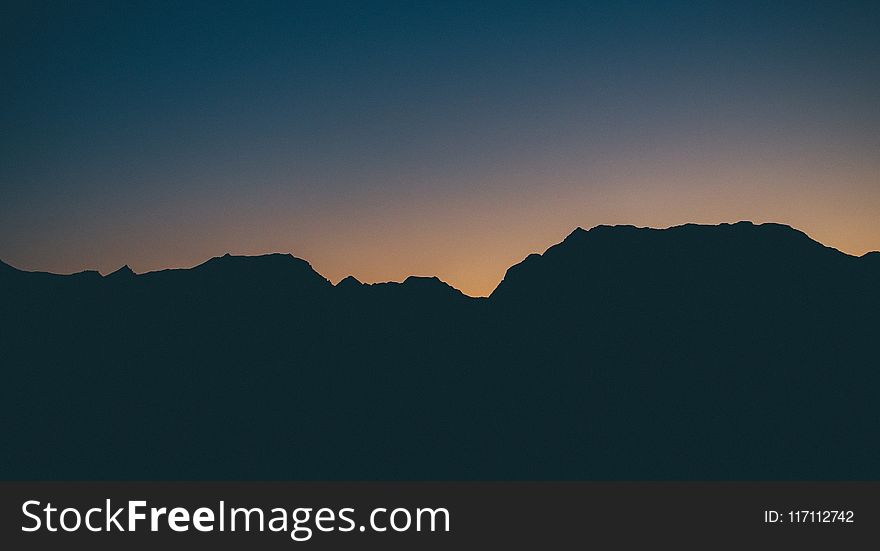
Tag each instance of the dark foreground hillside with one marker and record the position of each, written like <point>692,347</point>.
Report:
<point>720,352</point>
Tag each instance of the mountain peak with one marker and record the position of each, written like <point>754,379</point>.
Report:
<point>431,284</point>
<point>269,259</point>
<point>124,272</point>
<point>279,268</point>
<point>628,250</point>
<point>349,282</point>
<point>418,280</point>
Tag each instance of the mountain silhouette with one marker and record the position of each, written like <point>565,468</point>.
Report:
<point>639,258</point>
<point>121,274</point>
<point>736,351</point>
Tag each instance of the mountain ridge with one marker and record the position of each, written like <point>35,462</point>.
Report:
<point>292,263</point>
<point>697,352</point>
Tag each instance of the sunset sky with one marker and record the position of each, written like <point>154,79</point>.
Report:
<point>430,138</point>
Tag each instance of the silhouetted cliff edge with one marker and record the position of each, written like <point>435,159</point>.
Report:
<point>730,351</point>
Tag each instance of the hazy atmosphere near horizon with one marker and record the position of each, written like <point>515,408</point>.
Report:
<point>451,139</point>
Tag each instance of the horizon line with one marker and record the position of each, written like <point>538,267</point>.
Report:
<point>335,284</point>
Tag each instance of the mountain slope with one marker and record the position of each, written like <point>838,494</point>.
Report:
<point>715,255</point>
<point>698,352</point>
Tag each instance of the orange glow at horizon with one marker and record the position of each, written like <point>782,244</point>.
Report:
<point>470,239</point>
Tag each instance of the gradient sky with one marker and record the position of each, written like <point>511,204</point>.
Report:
<point>449,139</point>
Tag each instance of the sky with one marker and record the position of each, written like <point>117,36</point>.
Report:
<point>452,139</point>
